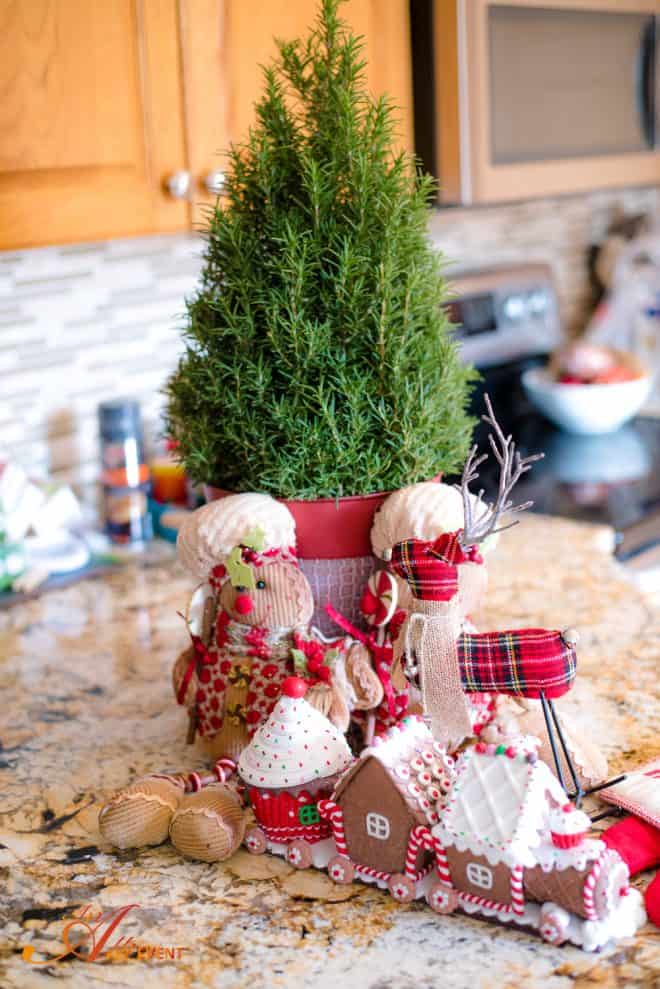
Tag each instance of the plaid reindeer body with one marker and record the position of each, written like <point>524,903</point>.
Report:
<point>528,662</point>
<point>521,662</point>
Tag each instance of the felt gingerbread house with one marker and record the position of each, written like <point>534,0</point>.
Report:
<point>508,837</point>
<point>385,804</point>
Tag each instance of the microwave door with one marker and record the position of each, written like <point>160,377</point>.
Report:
<point>563,82</point>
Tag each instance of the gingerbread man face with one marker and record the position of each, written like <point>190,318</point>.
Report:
<point>281,598</point>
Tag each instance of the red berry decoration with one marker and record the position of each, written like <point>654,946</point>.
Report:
<point>294,687</point>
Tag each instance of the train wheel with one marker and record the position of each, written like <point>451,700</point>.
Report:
<point>401,887</point>
<point>341,870</point>
<point>442,899</point>
<point>554,923</point>
<point>299,854</point>
<point>255,841</point>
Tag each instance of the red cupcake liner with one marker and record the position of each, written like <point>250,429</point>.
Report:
<point>567,840</point>
<point>277,814</point>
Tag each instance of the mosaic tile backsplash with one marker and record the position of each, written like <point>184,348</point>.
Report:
<point>80,324</point>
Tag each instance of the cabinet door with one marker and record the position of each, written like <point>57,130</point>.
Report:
<point>225,41</point>
<point>91,119</point>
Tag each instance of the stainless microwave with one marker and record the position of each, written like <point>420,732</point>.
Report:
<point>523,98</point>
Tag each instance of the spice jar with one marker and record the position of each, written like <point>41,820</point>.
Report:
<point>124,473</point>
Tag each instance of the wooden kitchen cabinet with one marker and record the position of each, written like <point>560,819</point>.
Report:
<point>103,101</point>
<point>91,119</point>
<point>224,43</point>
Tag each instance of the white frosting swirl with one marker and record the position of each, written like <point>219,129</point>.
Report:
<point>571,821</point>
<point>296,745</point>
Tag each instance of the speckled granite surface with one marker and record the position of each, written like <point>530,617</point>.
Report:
<point>86,705</point>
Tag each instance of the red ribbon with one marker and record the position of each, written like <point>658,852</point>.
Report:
<point>199,652</point>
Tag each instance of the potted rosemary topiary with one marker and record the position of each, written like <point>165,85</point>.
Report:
<point>319,365</point>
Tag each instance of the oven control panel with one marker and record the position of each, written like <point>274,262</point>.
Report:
<point>504,314</point>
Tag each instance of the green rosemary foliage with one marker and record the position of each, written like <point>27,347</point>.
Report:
<point>318,361</point>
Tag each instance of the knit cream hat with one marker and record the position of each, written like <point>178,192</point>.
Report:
<point>207,537</point>
<point>420,511</point>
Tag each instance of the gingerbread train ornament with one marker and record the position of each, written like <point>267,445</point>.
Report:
<point>490,833</point>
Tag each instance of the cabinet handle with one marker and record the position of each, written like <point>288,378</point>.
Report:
<point>178,184</point>
<point>213,181</point>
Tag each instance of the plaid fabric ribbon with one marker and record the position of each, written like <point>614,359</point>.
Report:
<point>448,547</point>
<point>429,576</point>
<point>522,663</point>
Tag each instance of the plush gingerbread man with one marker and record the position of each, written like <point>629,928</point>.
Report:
<point>249,626</point>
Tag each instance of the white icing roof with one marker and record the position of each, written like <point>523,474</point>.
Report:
<point>498,807</point>
<point>297,744</point>
<point>417,764</point>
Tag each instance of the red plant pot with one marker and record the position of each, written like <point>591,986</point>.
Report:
<point>334,548</point>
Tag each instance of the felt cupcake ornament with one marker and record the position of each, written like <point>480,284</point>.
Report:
<point>292,762</point>
<point>568,826</point>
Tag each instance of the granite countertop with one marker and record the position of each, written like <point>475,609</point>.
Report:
<point>87,705</point>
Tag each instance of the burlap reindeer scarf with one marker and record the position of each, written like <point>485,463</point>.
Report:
<point>430,632</point>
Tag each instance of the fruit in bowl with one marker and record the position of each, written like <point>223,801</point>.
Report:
<point>587,389</point>
<point>589,364</point>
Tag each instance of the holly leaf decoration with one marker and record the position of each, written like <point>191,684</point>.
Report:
<point>330,657</point>
<point>240,574</point>
<point>299,660</point>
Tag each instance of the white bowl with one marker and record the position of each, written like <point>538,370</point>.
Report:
<point>585,409</point>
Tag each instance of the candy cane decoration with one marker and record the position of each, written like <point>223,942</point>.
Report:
<point>194,782</point>
<point>223,769</point>
<point>442,865</point>
<point>378,604</point>
<point>517,895</point>
<point>481,901</point>
<point>589,889</point>
<point>366,870</point>
<point>420,837</point>
<point>333,813</point>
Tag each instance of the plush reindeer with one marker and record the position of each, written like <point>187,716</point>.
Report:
<point>444,661</point>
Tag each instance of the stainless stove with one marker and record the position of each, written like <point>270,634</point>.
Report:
<point>508,321</point>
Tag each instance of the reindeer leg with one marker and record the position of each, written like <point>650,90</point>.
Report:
<point>545,705</point>
<point>603,786</point>
<point>578,793</point>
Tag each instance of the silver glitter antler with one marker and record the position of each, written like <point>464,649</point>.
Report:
<point>481,518</point>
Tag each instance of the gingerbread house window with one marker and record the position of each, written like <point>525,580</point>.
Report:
<point>479,875</point>
<point>378,826</point>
